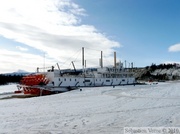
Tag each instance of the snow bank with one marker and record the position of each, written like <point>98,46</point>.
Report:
<point>170,72</point>
<point>102,110</point>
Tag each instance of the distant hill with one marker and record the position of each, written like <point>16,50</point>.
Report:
<point>158,72</point>
<point>18,73</point>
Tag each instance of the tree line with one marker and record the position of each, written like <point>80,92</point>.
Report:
<point>5,79</point>
<point>153,67</point>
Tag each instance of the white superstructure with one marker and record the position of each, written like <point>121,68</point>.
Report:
<point>106,76</point>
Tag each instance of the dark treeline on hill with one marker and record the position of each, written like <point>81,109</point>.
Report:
<point>150,69</point>
<point>153,67</point>
<point>5,79</point>
<point>149,76</point>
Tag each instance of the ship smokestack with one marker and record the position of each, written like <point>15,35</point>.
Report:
<point>114,59</point>
<point>132,65</point>
<point>83,56</point>
<point>101,59</point>
<point>83,62</point>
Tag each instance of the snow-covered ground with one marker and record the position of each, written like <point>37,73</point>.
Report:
<point>7,90</point>
<point>102,110</point>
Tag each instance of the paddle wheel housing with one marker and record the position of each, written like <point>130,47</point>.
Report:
<point>32,84</point>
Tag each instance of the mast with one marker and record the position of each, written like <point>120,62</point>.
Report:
<point>59,68</point>
<point>73,66</point>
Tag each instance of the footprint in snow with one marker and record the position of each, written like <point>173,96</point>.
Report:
<point>75,126</point>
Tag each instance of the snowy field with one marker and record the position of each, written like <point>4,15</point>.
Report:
<point>104,110</point>
<point>7,90</point>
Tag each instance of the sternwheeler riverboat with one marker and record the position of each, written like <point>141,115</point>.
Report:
<point>56,80</point>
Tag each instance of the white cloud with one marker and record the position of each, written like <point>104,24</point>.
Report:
<point>52,26</point>
<point>21,48</point>
<point>174,48</point>
<point>13,61</point>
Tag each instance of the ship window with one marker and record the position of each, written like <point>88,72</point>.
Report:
<point>75,79</point>
<point>107,80</point>
<point>96,79</point>
<point>123,79</point>
<point>59,79</point>
<point>70,79</point>
<point>64,79</point>
<point>87,81</point>
<point>100,79</point>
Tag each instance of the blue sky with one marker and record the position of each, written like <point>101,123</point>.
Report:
<point>140,31</point>
<point>145,28</point>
